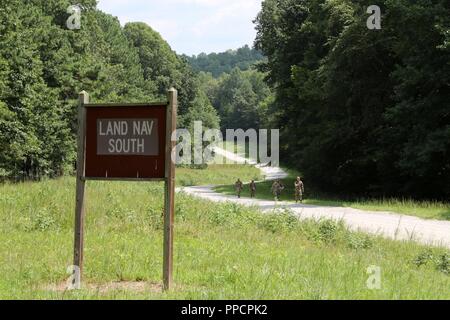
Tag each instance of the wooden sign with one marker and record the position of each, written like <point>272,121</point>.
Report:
<point>126,142</point>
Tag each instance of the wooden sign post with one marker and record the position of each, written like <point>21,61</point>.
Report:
<point>126,142</point>
<point>169,190</point>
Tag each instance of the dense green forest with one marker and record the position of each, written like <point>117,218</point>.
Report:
<point>241,98</point>
<point>219,63</point>
<point>362,112</point>
<point>234,87</point>
<point>43,66</point>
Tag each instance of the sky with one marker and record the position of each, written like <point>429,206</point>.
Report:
<point>192,26</point>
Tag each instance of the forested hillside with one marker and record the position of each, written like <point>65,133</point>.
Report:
<point>241,98</point>
<point>218,63</point>
<point>234,87</point>
<point>362,112</point>
<point>43,66</point>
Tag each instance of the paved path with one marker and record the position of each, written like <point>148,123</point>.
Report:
<point>386,224</point>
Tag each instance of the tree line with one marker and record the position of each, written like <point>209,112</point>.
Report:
<point>234,87</point>
<point>362,112</point>
<point>224,62</point>
<point>43,66</point>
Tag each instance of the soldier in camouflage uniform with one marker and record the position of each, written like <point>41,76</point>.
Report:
<point>238,186</point>
<point>299,190</point>
<point>252,189</point>
<point>277,187</point>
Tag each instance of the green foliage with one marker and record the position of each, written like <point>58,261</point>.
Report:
<point>440,260</point>
<point>203,111</point>
<point>443,264</point>
<point>279,222</point>
<point>222,251</point>
<point>161,65</point>
<point>43,66</point>
<point>219,63</point>
<point>362,112</point>
<point>234,87</point>
<point>437,210</point>
<point>359,241</point>
<point>240,97</point>
<point>41,220</point>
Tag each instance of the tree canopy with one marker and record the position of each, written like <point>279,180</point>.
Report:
<point>43,66</point>
<point>362,112</point>
<point>219,63</point>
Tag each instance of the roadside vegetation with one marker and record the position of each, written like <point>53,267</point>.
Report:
<point>222,251</point>
<point>215,174</point>
<point>424,209</point>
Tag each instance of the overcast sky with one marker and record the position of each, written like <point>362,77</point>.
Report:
<point>192,26</point>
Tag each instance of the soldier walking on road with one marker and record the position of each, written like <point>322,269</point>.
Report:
<point>252,189</point>
<point>277,187</point>
<point>238,186</point>
<point>299,190</point>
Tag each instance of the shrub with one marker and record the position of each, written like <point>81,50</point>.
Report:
<point>328,230</point>
<point>441,261</point>
<point>42,220</point>
<point>424,258</point>
<point>359,241</point>
<point>279,222</point>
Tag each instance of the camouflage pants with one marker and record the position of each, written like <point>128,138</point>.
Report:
<point>298,195</point>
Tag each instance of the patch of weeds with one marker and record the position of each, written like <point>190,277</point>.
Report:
<point>186,182</point>
<point>118,211</point>
<point>155,218</point>
<point>284,221</point>
<point>224,215</point>
<point>115,212</point>
<point>325,231</point>
<point>424,258</point>
<point>180,211</point>
<point>441,261</point>
<point>359,241</point>
<point>328,231</point>
<point>42,220</point>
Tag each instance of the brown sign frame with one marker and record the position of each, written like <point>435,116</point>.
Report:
<point>121,167</point>
<point>166,149</point>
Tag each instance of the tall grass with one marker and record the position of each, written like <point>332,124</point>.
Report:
<point>221,251</point>
<point>216,174</point>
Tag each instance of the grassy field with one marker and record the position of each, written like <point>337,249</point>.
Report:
<point>423,209</point>
<point>221,251</point>
<point>215,174</point>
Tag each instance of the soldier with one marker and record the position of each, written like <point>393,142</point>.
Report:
<point>238,186</point>
<point>252,189</point>
<point>277,187</point>
<point>299,190</point>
